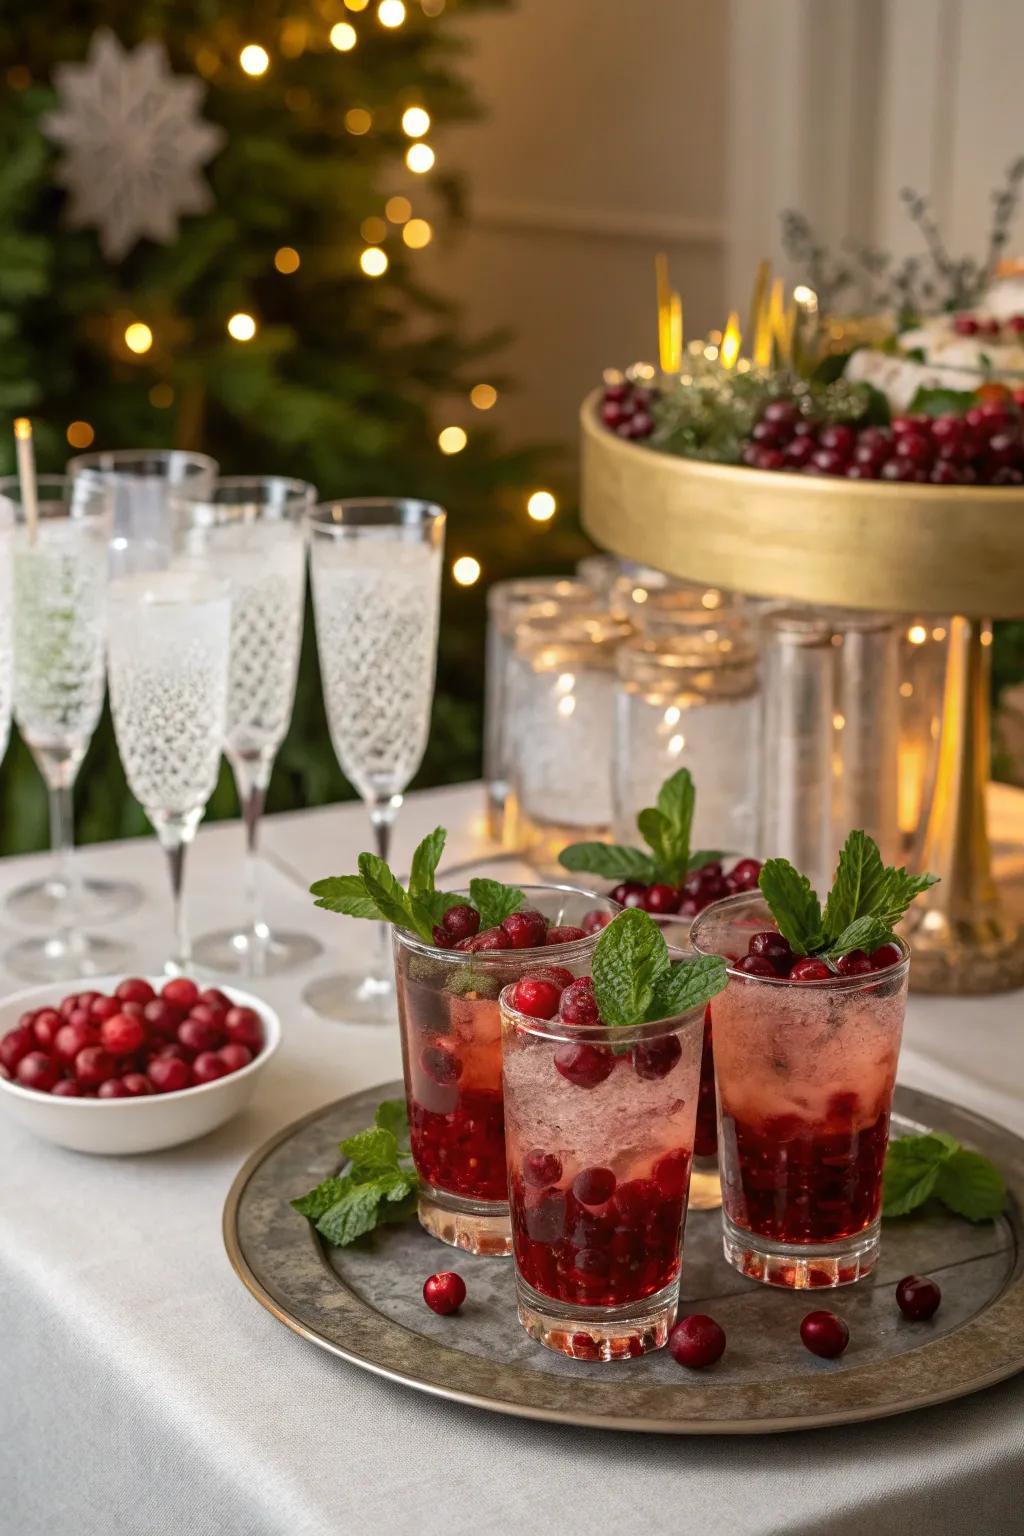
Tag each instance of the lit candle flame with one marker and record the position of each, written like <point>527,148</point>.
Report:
<point>670,319</point>
<point>27,474</point>
<point>729,348</point>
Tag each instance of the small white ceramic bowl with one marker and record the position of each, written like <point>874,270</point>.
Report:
<point>145,1124</point>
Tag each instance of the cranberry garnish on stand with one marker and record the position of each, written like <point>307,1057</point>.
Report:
<point>626,409</point>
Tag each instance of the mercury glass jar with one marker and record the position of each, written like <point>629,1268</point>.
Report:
<point>923,654</point>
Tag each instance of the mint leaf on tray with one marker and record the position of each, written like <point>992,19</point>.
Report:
<point>379,1185</point>
<point>920,1167</point>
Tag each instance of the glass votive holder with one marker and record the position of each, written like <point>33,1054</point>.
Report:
<point>923,656</point>
<point>866,722</point>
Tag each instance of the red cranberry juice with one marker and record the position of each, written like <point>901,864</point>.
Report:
<point>705,1142</point>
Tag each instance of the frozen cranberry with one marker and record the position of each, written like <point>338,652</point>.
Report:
<point>213,997</point>
<point>45,1026</point>
<point>208,1066</point>
<point>104,1008</point>
<point>568,933</point>
<point>594,1186</point>
<point>461,922</point>
<point>626,889</point>
<point>755,965</point>
<point>536,998</point>
<point>768,944</point>
<point>38,1070</point>
<point>444,1292</point>
<point>855,963</point>
<point>586,1066</point>
<point>195,1035</point>
<point>696,1341</point>
<point>162,1016</point>
<point>918,1298</point>
<point>134,990</point>
<point>72,1038</point>
<point>244,1027</point>
<point>654,1059</point>
<point>884,956</point>
<point>235,1056</point>
<point>664,899</point>
<point>113,1088</point>
<point>745,874</point>
<point>559,974</point>
<point>180,992</point>
<point>441,1064</point>
<point>15,1044</point>
<point>67,1088</point>
<point>809,968</point>
<point>824,1334</point>
<point>541,1168</point>
<point>594,921</point>
<point>137,1084</point>
<point>441,937</point>
<point>93,1066</point>
<point>122,1035</point>
<point>525,930</point>
<point>168,1074</point>
<point>491,939</point>
<point>671,1173</point>
<point>578,1005</point>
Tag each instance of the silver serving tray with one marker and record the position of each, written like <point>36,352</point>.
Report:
<point>364,1303</point>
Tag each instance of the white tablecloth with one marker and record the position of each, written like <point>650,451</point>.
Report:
<point>143,1392</point>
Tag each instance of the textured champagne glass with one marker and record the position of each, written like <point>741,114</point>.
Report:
<point>252,532</point>
<point>168,644</point>
<point>376,573</point>
<point>58,607</point>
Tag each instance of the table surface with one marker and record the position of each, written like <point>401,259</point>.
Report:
<point>144,1392</point>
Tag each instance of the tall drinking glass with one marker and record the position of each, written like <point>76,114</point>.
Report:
<point>58,609</point>
<point>252,532</point>
<point>376,574</point>
<point>144,483</point>
<point>168,645</point>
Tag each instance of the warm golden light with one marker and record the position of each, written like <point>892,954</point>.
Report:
<point>373,230</point>
<point>483,396</point>
<point>917,634</point>
<point>80,434</point>
<point>254,59</point>
<point>415,122</point>
<point>806,297</point>
<point>287,259</point>
<point>241,327</point>
<point>432,7</point>
<point>417,233</point>
<point>358,120</point>
<point>373,261</point>
<point>451,440</point>
<point>391,13</point>
<point>466,570</point>
<point>398,209</point>
<point>541,506</point>
<point>138,337</point>
<point>419,158</point>
<point>294,37</point>
<point>22,429</point>
<point>162,396</point>
<point>343,37</point>
<point>729,349</point>
<point>356,5</point>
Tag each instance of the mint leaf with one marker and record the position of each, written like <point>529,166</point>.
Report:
<point>345,893</point>
<point>677,798</point>
<point>794,905</point>
<point>898,892</point>
<point>371,1152</point>
<point>429,907</point>
<point>494,901</point>
<point>354,1214</point>
<point>688,984</point>
<point>425,861</point>
<point>609,860</point>
<point>392,902</point>
<point>858,884</point>
<point>912,1166</point>
<point>319,1200</point>
<point>378,1185</point>
<point>393,1115</point>
<point>942,402</point>
<point>863,933</point>
<point>971,1186</point>
<point>665,828</point>
<point>629,957</point>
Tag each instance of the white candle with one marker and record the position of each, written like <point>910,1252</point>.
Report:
<point>27,474</point>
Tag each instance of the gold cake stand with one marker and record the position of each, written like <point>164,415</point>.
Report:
<point>854,544</point>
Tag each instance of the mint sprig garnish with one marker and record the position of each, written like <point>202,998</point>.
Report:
<point>635,981</point>
<point>868,898</point>
<point>664,827</point>
<point>380,1184</point>
<point>936,1166</point>
<point>377,894</point>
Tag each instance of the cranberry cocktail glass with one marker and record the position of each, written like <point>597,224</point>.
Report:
<point>599,1135</point>
<point>451,1051</point>
<point>805,1074</point>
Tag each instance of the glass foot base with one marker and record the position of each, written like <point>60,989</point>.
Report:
<point>801,1266</point>
<point>476,1226</point>
<point>352,999</point>
<point>49,903</point>
<point>705,1185</point>
<point>63,959</point>
<point>245,953</point>
<point>598,1333</point>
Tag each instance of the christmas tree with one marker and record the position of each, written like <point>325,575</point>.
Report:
<point>210,222</point>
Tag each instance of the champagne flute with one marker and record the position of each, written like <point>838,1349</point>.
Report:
<point>168,642</point>
<point>376,572</point>
<point>251,531</point>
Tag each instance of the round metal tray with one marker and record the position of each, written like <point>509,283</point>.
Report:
<point>364,1303</point>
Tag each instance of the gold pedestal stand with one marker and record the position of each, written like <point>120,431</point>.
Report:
<point>855,544</point>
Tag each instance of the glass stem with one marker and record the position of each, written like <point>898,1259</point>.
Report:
<point>59,770</point>
<point>62,837</point>
<point>175,833</point>
<point>252,775</point>
<point>382,819</point>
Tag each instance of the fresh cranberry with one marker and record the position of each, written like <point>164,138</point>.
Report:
<point>66,1007</point>
<point>664,899</point>
<point>122,1035</point>
<point>172,1051</point>
<point>104,1008</point>
<point>594,921</point>
<point>884,956</point>
<point>767,434</point>
<point>76,1016</point>
<point>441,1064</point>
<point>492,939</point>
<point>180,992</point>
<point>965,325</point>
<point>137,1084</point>
<point>38,1070</point>
<point>444,1292</point>
<point>768,944</point>
<point>461,922</point>
<point>824,1334</point>
<point>903,470</point>
<point>15,1044</point>
<point>918,1298</point>
<point>578,1005</point>
<point>1016,325</point>
<point>755,965</point>
<point>946,473</point>
<point>441,938</point>
<point>781,413</point>
<point>86,999</point>
<point>915,448</point>
<point>133,1010</point>
<point>800,451</point>
<point>538,999</point>
<point>93,1066</point>
<point>654,1059</point>
<point>45,1026</point>
<point>113,1088</point>
<point>568,933</point>
<point>72,1038</point>
<point>195,1035</point>
<point>524,930</point>
<point>625,889</point>
<point>855,963</point>
<point>769,458</point>
<point>696,1341</point>
<point>244,1027</point>
<point>640,425</point>
<point>162,1016</point>
<point>207,1014</point>
<point>745,874</point>
<point>809,968</point>
<point>586,1066</point>
<point>827,461</point>
<point>541,1168</point>
<point>67,1088</point>
<point>134,990</point>
<point>213,997</point>
<point>208,1066</point>
<point>1007,475</point>
<point>671,1173</point>
<point>594,1186</point>
<point>168,1074</point>
<point>839,437</point>
<point>235,1056</point>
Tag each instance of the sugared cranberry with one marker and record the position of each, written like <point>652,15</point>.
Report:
<point>625,889</point>
<point>168,1074</point>
<point>918,1298</point>
<point>72,1038</point>
<point>113,1088</point>
<point>594,1186</point>
<point>93,1066</point>
<point>15,1044</point>
<point>37,1070</point>
<point>525,930</point>
<point>664,899</point>
<point>884,956</point>
<point>567,933</point>
<point>105,1008</point>
<point>244,1027</point>
<point>594,921</point>
<point>137,1084</point>
<point>196,1035</point>
<point>444,1292</point>
<point>67,1088</point>
<point>180,991</point>
<point>696,1341</point>
<point>824,1334</point>
<point>755,965</point>
<point>586,1066</point>
<point>541,1168</point>
<point>134,990</point>
<point>122,1035</point>
<point>855,963</point>
<point>461,922</point>
<point>745,874</point>
<point>235,1056</point>
<point>491,940</point>
<point>809,968</point>
<point>560,975</point>
<point>46,1024</point>
<point>441,1064</point>
<point>441,938</point>
<point>578,1005</point>
<point>537,998</point>
<point>654,1059</point>
<point>208,1066</point>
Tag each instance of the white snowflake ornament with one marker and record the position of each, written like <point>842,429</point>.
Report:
<point>133,144</point>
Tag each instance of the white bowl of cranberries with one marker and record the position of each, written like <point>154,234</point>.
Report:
<point>131,1064</point>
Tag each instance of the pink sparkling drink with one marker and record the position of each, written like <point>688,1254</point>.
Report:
<point>805,1075</point>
